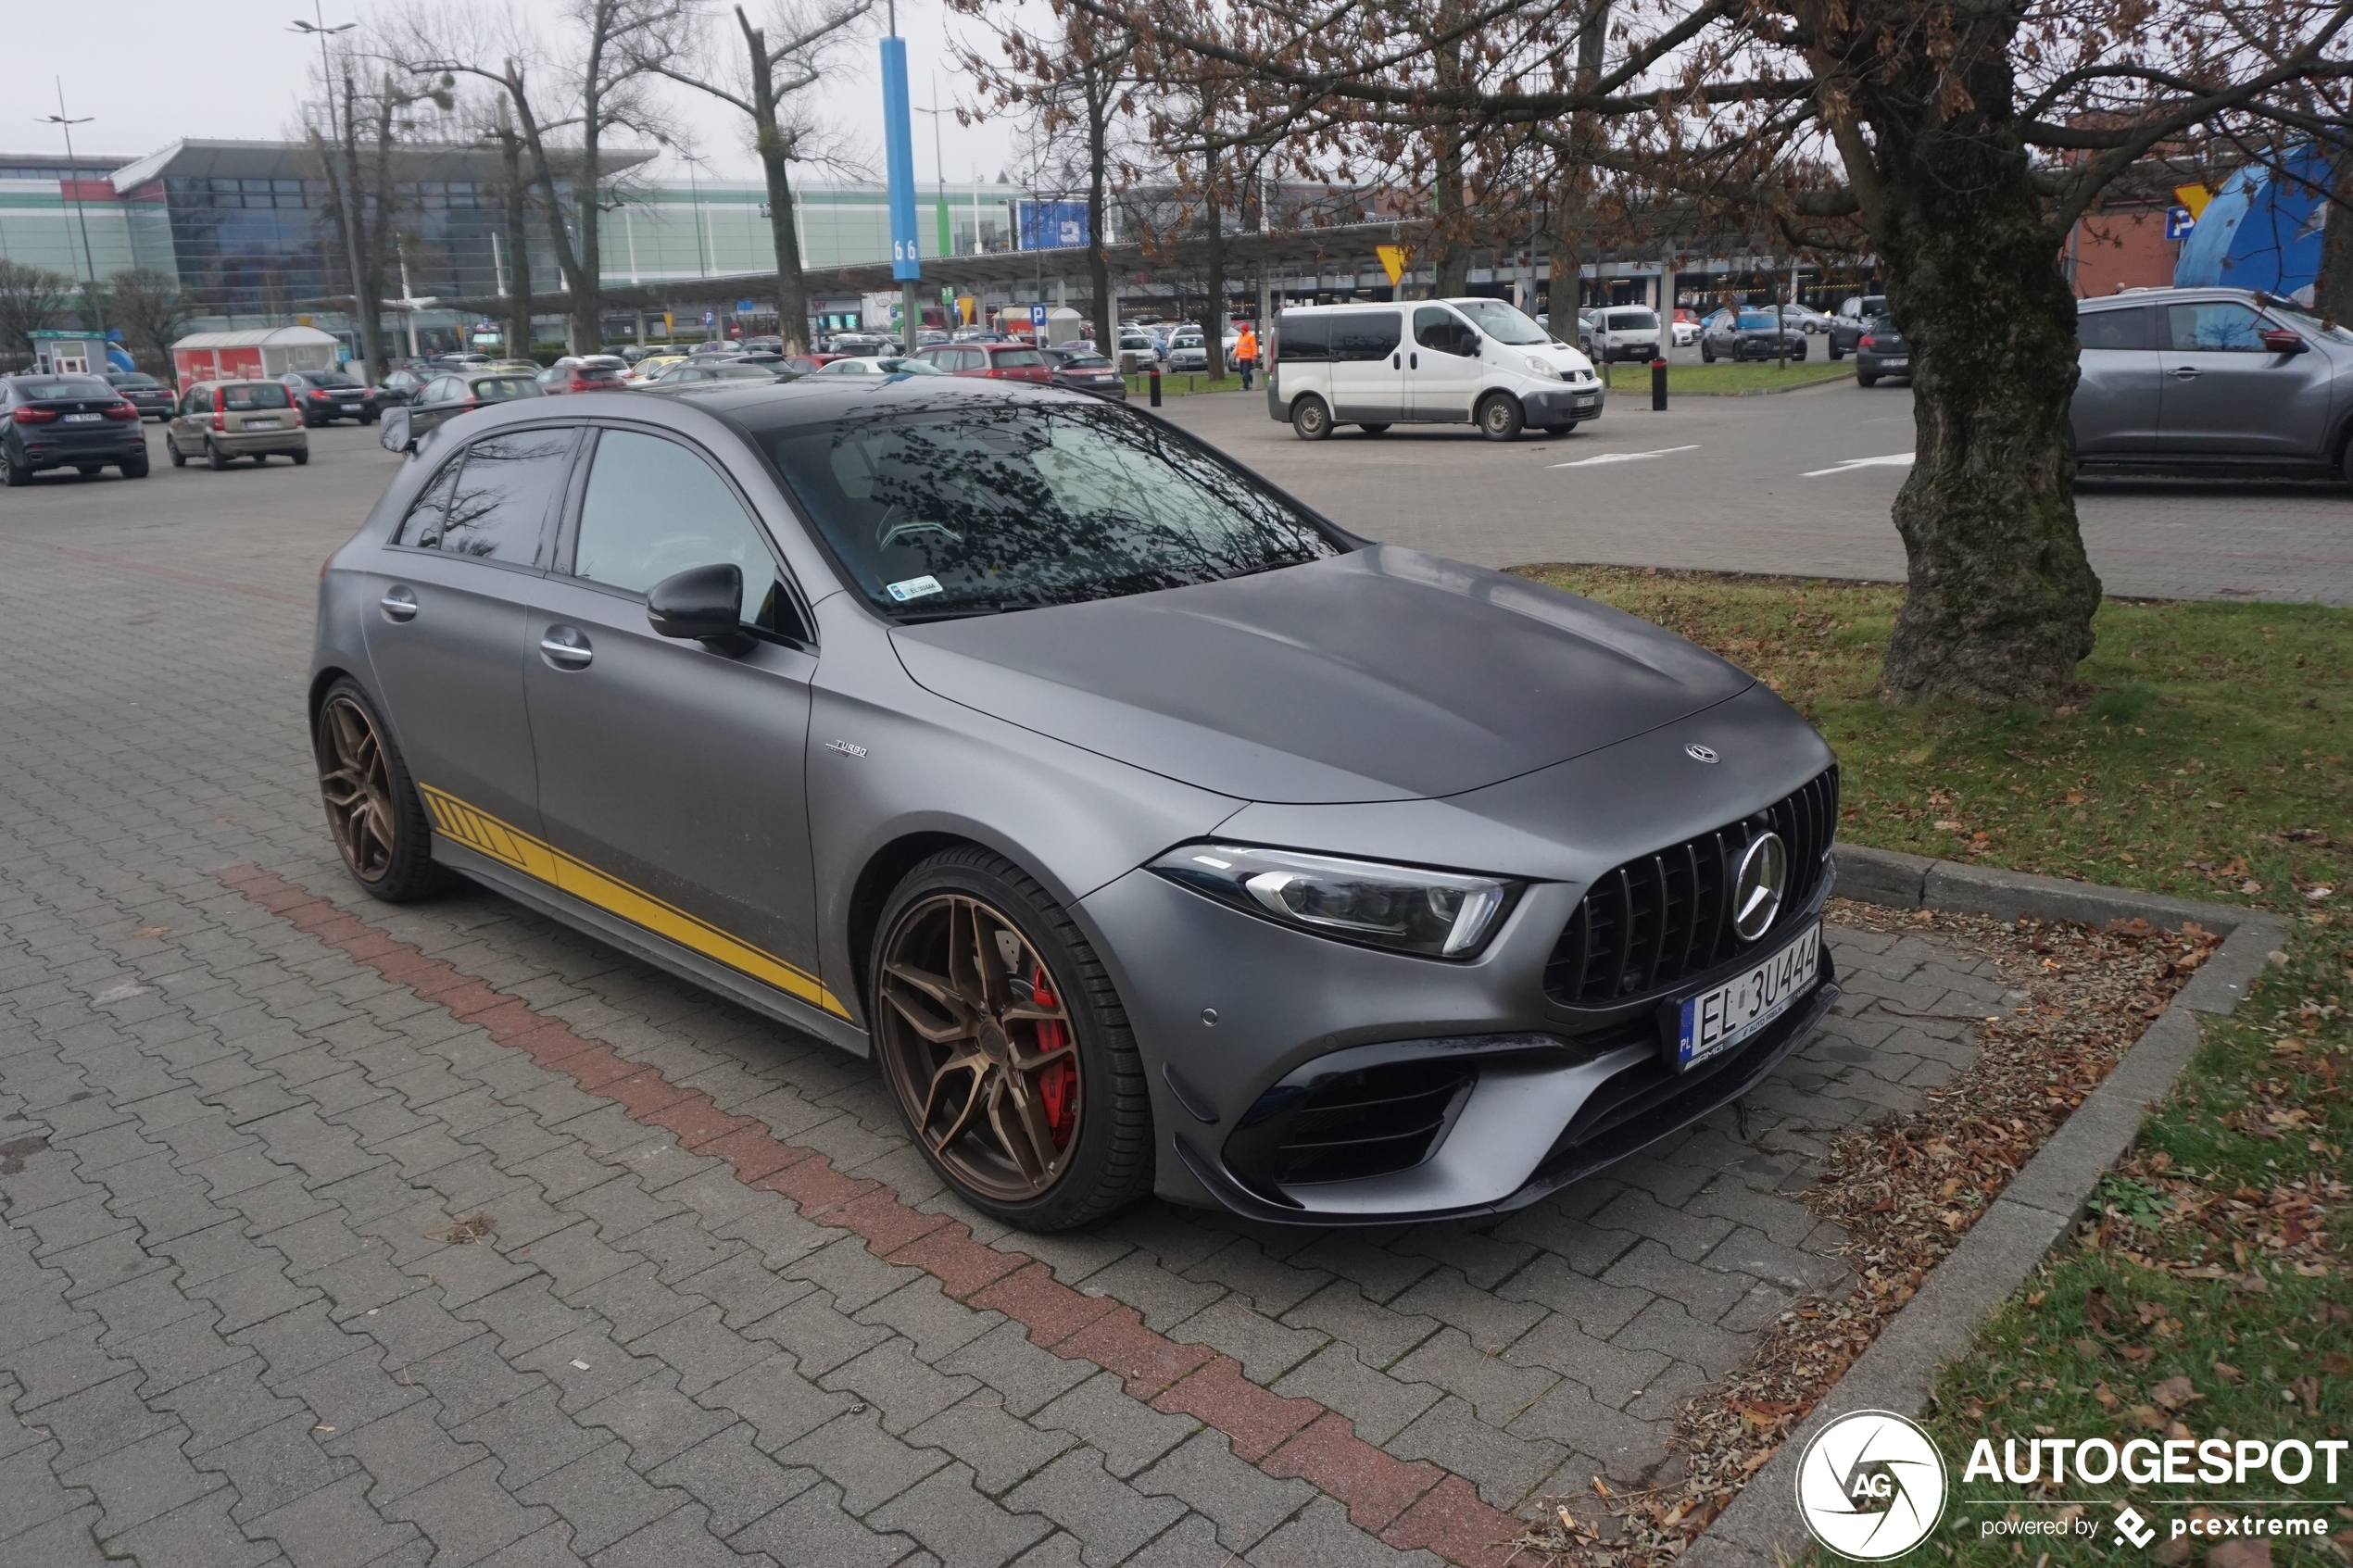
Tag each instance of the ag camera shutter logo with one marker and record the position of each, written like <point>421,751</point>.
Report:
<point>1871,1486</point>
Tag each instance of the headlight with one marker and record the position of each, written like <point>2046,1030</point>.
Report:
<point>1544,367</point>
<point>1442,914</point>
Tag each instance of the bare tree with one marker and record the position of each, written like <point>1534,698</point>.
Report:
<point>566,101</point>
<point>1956,141</point>
<point>791,51</point>
<point>376,101</point>
<point>151,310</point>
<point>32,300</point>
<point>1077,84</point>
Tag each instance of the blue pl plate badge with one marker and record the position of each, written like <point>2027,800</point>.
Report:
<point>913,588</point>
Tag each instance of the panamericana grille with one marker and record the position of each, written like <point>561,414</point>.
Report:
<point>1665,916</point>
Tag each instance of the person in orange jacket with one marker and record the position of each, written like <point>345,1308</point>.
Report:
<point>1246,353</point>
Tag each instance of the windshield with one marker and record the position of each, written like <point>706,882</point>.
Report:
<point>1501,322</point>
<point>1757,320</point>
<point>2309,323</point>
<point>962,510</point>
<point>38,390</point>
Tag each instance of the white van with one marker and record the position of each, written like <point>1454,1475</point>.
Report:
<point>1446,361</point>
<point>1625,331</point>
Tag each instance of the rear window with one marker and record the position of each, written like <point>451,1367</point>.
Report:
<point>1086,362</point>
<point>1019,358</point>
<point>243,396</point>
<point>43,388</point>
<point>1365,334</point>
<point>498,389</point>
<point>1299,338</point>
<point>132,379</point>
<point>328,378</point>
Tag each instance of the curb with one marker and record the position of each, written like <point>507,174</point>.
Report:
<point>1761,1528</point>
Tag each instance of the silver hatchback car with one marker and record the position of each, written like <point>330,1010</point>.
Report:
<point>1155,832</point>
<point>2212,379</point>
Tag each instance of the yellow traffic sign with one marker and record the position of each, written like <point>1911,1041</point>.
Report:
<point>2195,197</point>
<point>1394,259</point>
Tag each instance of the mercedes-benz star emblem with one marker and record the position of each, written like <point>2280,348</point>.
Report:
<point>1699,753</point>
<point>1758,887</point>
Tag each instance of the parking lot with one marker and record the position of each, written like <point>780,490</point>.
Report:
<point>327,1248</point>
<point>1797,483</point>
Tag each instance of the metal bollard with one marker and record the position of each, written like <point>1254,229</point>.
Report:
<point>1658,385</point>
<point>1155,386</point>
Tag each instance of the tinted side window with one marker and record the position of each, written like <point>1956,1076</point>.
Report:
<point>430,507</point>
<point>498,505</point>
<point>653,508</point>
<point>1301,338</point>
<point>1368,335</point>
<point>2113,329</point>
<point>2221,327</point>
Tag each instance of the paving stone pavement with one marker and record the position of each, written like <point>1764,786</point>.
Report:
<point>718,1310</point>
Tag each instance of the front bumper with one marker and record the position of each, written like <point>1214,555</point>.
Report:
<point>1555,405</point>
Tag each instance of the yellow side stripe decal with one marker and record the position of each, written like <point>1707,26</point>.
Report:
<point>509,845</point>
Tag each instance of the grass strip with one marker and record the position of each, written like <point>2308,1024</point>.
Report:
<point>2209,1297</point>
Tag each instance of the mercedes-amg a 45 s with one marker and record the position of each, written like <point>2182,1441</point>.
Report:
<point>1155,832</point>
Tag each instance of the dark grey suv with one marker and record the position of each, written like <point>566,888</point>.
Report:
<point>1151,832</point>
<point>2211,378</point>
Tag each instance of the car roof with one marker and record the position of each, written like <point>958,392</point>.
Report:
<point>2255,298</point>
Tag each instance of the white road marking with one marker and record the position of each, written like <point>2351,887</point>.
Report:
<point>1893,460</point>
<point>1623,457</point>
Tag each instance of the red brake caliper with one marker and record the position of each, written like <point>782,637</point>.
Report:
<point>1058,1080</point>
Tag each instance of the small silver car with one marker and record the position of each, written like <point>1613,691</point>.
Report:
<point>1155,833</point>
<point>2210,380</point>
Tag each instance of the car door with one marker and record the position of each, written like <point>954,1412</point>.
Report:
<point>445,633</point>
<point>1442,366</point>
<point>1369,366</point>
<point>671,773</point>
<point>2114,412</point>
<point>2225,394</point>
<point>182,433</point>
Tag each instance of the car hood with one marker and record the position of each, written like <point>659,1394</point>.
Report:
<point>1383,674</point>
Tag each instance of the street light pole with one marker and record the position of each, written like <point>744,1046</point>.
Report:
<point>367,370</point>
<point>90,290</point>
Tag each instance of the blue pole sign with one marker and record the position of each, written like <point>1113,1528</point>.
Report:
<point>898,158</point>
<point>2179,223</point>
<point>1038,322</point>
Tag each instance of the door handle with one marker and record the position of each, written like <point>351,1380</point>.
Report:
<point>1413,361</point>
<point>398,604</point>
<point>1396,361</point>
<point>2184,372</point>
<point>566,648</point>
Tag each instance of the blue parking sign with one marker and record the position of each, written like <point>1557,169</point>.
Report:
<point>1037,321</point>
<point>2179,221</point>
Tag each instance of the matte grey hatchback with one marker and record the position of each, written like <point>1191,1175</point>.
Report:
<point>1155,832</point>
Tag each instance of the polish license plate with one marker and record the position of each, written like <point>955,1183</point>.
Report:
<point>1895,364</point>
<point>261,424</point>
<point>83,418</point>
<point>1714,1022</point>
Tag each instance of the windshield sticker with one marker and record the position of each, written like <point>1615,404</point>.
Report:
<point>912,588</point>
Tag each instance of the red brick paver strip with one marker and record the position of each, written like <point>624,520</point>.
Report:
<point>1410,1504</point>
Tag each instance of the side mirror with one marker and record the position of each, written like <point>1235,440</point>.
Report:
<point>702,602</point>
<point>2278,340</point>
<point>394,432</point>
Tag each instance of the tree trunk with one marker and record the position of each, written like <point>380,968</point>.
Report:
<point>367,306</point>
<point>1213,316</point>
<point>2000,595</point>
<point>517,211</point>
<point>1449,235</point>
<point>542,173</point>
<point>792,289</point>
<point>1106,316</point>
<point>2332,290</point>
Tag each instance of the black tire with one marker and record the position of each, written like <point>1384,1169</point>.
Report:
<point>1499,417</point>
<point>1311,419</point>
<point>1862,380</point>
<point>1109,1162</point>
<point>136,468</point>
<point>1561,428</point>
<point>179,458</point>
<point>1836,352</point>
<point>1707,354</point>
<point>302,458</point>
<point>371,417</point>
<point>1800,355</point>
<point>405,871</point>
<point>214,457</point>
<point>13,473</point>
<point>1373,430</point>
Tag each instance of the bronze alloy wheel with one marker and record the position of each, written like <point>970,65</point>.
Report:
<point>980,1047</point>
<point>355,777</point>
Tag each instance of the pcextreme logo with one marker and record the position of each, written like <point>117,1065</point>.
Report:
<point>1870,1486</point>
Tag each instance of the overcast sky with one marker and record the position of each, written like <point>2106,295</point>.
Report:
<point>151,72</point>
